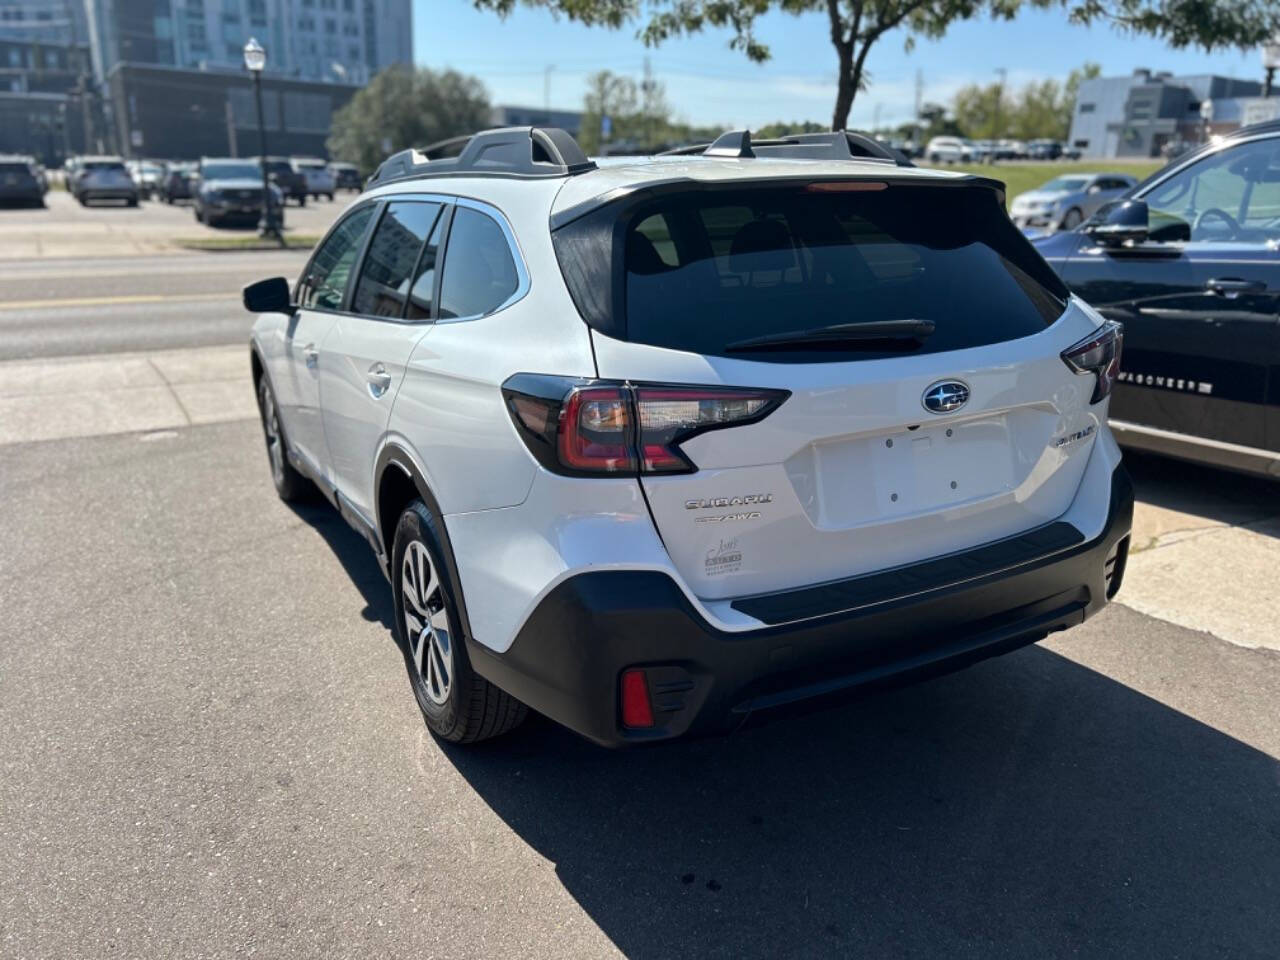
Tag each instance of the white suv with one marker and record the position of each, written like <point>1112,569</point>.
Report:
<point>658,445</point>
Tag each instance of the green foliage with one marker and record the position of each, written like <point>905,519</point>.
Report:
<point>1039,110</point>
<point>639,114</point>
<point>771,131</point>
<point>406,107</point>
<point>857,25</point>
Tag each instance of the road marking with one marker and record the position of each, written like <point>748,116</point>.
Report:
<point>115,301</point>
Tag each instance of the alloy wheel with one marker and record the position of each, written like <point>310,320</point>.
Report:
<point>271,427</point>
<point>426,624</point>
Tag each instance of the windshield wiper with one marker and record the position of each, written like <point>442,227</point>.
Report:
<point>856,335</point>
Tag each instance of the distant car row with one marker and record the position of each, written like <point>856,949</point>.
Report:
<point>960,150</point>
<point>95,178</point>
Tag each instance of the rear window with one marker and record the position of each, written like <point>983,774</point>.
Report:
<point>699,271</point>
<point>14,168</point>
<point>96,165</point>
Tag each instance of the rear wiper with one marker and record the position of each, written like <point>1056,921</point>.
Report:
<point>864,335</point>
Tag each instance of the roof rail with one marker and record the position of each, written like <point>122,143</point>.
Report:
<point>840,145</point>
<point>521,152</point>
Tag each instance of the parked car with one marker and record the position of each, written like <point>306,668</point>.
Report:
<point>948,150</point>
<point>177,182</point>
<point>291,183</point>
<point>1187,262</point>
<point>19,182</point>
<point>1064,202</point>
<point>1013,149</point>
<point>318,178</point>
<point>103,178</point>
<point>147,175</point>
<point>229,193</point>
<point>628,457</point>
<point>346,176</point>
<point>1044,150</point>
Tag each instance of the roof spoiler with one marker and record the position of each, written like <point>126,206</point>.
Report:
<point>522,152</point>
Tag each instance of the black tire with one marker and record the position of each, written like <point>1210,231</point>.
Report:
<point>465,708</point>
<point>291,486</point>
<point>131,202</point>
<point>197,214</point>
<point>302,201</point>
<point>1071,219</point>
<point>329,196</point>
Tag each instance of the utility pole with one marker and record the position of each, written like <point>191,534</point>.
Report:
<point>648,86</point>
<point>919,102</point>
<point>875,121</point>
<point>1002,73</point>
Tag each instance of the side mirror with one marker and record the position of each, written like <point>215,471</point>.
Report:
<point>1121,222</point>
<point>268,296</point>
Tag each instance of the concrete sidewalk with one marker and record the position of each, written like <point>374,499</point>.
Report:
<point>53,399</point>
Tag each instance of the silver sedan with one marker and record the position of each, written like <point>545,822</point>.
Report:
<point>1065,201</point>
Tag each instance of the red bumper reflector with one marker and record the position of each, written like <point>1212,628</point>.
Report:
<point>636,709</point>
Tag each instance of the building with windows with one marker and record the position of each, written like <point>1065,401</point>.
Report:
<point>1147,114</point>
<point>335,41</point>
<point>178,114</point>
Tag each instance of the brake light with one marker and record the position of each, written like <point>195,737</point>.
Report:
<point>1099,354</point>
<point>601,428</point>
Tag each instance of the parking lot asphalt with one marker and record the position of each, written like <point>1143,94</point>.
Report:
<point>209,748</point>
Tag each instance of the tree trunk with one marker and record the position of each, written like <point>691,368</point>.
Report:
<point>845,89</point>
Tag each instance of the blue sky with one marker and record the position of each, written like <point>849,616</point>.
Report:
<point>708,83</point>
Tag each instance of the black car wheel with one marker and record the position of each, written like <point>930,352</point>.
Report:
<point>456,703</point>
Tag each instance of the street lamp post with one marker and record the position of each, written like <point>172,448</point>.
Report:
<point>255,58</point>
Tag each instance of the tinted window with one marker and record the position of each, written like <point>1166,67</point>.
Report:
<point>479,272</point>
<point>231,171</point>
<point>1242,182</point>
<point>699,271</point>
<point>14,168</point>
<point>393,254</point>
<point>423,289</point>
<point>326,280</point>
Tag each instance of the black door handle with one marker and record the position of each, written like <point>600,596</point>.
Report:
<point>1232,287</point>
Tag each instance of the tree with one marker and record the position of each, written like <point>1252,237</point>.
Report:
<point>857,25</point>
<point>1039,110</point>
<point>406,107</point>
<point>772,131</point>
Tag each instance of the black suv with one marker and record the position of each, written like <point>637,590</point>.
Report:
<point>291,183</point>
<point>1189,262</point>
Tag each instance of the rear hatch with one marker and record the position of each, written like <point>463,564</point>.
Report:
<point>106,176</point>
<point>936,416</point>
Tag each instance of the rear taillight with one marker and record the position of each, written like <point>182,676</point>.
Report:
<point>1099,354</point>
<point>581,427</point>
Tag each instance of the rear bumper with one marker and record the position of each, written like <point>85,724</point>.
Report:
<point>567,659</point>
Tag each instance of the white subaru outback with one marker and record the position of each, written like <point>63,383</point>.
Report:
<point>654,447</point>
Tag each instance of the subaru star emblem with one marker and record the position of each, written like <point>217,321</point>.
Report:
<point>945,396</point>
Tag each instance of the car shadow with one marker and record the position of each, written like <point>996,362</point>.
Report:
<point>356,557</point>
<point>1218,495</point>
<point>1028,807</point>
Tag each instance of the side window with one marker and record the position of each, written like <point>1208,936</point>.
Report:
<point>325,282</point>
<point>1229,196</point>
<point>424,279</point>
<point>479,272</point>
<point>393,253</point>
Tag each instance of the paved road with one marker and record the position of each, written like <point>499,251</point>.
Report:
<point>208,746</point>
<point>210,749</point>
<point>74,307</point>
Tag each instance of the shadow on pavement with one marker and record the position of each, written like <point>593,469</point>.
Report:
<point>1217,495</point>
<point>356,557</point>
<point>1026,807</point>
<point>1029,807</point>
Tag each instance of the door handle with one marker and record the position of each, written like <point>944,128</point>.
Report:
<point>379,380</point>
<point>310,356</point>
<point>1232,287</point>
